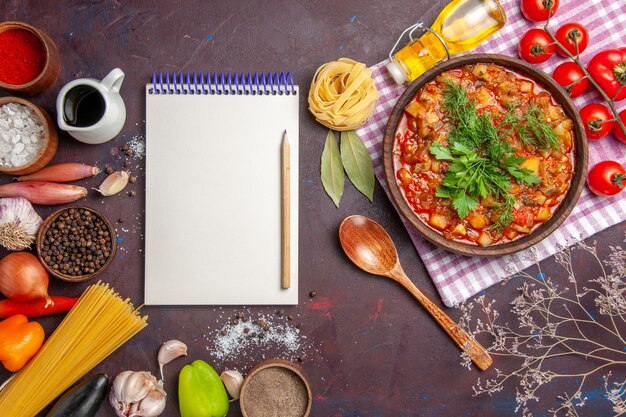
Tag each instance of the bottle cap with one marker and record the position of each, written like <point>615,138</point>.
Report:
<point>396,72</point>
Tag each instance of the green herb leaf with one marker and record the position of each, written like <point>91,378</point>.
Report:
<point>443,192</point>
<point>464,204</point>
<point>482,162</point>
<point>357,163</point>
<point>441,152</point>
<point>331,169</point>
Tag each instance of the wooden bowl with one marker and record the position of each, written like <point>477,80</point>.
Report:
<point>50,140</point>
<point>275,363</point>
<point>51,69</point>
<point>579,158</point>
<point>41,237</point>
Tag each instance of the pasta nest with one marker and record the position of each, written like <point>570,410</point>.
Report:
<point>343,94</point>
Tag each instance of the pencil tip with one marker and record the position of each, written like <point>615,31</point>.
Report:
<point>285,132</point>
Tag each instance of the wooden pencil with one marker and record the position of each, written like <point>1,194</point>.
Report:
<point>285,213</point>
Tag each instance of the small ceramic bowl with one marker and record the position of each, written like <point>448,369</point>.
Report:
<point>50,140</point>
<point>74,278</point>
<point>292,379</point>
<point>51,68</point>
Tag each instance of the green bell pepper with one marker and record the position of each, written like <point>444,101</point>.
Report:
<point>201,392</point>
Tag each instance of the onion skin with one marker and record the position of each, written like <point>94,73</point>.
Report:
<point>23,278</point>
<point>46,193</point>
<point>70,171</point>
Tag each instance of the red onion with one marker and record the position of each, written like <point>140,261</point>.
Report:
<point>69,171</point>
<point>39,192</point>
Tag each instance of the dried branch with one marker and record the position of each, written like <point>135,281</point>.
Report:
<point>582,324</point>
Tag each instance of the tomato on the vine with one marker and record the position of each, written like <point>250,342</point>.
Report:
<point>606,178</point>
<point>535,46</point>
<point>571,35</point>
<point>598,120</point>
<point>617,129</point>
<point>608,68</point>
<point>572,78</point>
<point>539,10</point>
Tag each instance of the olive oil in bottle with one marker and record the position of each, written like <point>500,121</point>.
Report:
<point>461,26</point>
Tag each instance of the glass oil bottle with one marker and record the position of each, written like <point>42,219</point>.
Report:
<point>461,26</point>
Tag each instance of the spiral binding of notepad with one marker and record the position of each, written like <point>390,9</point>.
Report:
<point>280,83</point>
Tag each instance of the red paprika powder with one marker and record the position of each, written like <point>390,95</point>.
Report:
<point>23,56</point>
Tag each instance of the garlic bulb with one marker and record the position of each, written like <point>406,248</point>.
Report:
<point>169,351</point>
<point>137,394</point>
<point>19,223</point>
<point>233,380</point>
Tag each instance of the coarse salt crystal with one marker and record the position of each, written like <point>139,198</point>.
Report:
<point>21,134</point>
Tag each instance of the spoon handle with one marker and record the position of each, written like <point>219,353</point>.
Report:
<point>476,352</point>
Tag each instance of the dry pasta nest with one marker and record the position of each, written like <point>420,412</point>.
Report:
<point>343,94</point>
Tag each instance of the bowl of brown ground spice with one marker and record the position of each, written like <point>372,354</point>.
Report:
<point>278,388</point>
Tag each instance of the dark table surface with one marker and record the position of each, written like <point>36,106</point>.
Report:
<point>369,349</point>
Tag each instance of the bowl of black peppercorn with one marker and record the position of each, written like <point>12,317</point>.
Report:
<point>76,244</point>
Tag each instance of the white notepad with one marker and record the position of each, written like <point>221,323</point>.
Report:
<point>213,189</point>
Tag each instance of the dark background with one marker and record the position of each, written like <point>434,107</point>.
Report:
<point>370,349</point>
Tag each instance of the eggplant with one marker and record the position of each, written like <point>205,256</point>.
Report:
<point>83,400</point>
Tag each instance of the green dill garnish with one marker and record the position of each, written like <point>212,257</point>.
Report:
<point>531,128</point>
<point>482,163</point>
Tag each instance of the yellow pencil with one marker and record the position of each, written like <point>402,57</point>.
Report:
<point>285,213</point>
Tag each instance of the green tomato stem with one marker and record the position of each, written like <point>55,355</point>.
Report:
<point>576,59</point>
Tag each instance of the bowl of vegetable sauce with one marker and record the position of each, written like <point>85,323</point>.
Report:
<point>484,155</point>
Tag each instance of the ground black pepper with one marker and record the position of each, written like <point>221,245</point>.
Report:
<point>277,392</point>
<point>78,242</point>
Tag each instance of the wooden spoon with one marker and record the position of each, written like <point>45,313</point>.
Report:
<point>369,246</point>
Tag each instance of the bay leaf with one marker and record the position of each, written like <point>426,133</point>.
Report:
<point>331,169</point>
<point>357,163</point>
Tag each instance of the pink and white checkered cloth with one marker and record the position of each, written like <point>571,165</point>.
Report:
<point>459,277</point>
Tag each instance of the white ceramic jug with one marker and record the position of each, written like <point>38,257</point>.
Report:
<point>92,111</point>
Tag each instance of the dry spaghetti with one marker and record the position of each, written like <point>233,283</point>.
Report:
<point>97,325</point>
<point>342,94</point>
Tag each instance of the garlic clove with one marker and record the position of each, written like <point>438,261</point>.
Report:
<point>119,383</point>
<point>232,381</point>
<point>113,184</point>
<point>169,351</point>
<point>152,405</point>
<point>137,386</point>
<point>121,409</point>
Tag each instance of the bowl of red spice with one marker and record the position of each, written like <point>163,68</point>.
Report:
<point>30,59</point>
<point>276,387</point>
<point>76,243</point>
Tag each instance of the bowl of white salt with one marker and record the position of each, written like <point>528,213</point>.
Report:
<point>28,136</point>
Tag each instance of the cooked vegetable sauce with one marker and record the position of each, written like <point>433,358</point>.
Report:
<point>534,139</point>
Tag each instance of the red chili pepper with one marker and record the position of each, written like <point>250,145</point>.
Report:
<point>36,308</point>
<point>608,68</point>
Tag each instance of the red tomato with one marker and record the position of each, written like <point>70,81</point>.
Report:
<point>606,178</point>
<point>572,78</point>
<point>608,68</point>
<point>598,120</point>
<point>567,34</point>
<point>538,10</point>
<point>535,46</point>
<point>617,129</point>
<point>523,217</point>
